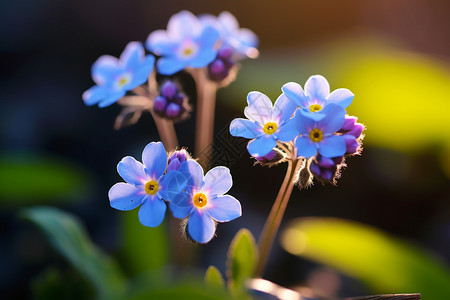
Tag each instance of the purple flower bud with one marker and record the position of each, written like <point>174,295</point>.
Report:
<point>326,162</point>
<point>348,123</point>
<point>224,52</point>
<point>357,130</point>
<point>168,89</point>
<point>179,99</point>
<point>160,104</point>
<point>172,110</point>
<point>315,169</point>
<point>268,157</point>
<point>327,175</point>
<point>351,143</point>
<point>217,67</point>
<point>176,159</point>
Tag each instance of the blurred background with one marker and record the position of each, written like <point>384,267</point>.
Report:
<point>384,228</point>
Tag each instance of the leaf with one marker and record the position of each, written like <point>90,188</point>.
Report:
<point>28,179</point>
<point>384,263</point>
<point>68,237</point>
<point>241,262</point>
<point>213,277</point>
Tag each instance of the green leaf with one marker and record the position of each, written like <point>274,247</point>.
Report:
<point>69,238</point>
<point>384,263</point>
<point>241,262</point>
<point>28,179</point>
<point>213,277</point>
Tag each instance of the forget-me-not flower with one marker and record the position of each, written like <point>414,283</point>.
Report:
<point>265,124</point>
<point>203,200</point>
<point>146,184</point>
<point>185,43</point>
<point>316,96</point>
<point>114,77</point>
<point>320,136</point>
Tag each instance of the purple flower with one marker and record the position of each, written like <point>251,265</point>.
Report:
<point>146,185</point>
<point>114,77</point>
<point>321,136</point>
<point>316,96</point>
<point>265,124</point>
<point>185,43</point>
<point>203,200</point>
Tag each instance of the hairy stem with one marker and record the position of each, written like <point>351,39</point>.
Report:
<point>273,222</point>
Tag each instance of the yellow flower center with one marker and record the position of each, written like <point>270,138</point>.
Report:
<point>200,200</point>
<point>316,135</point>
<point>122,81</point>
<point>151,187</point>
<point>315,107</point>
<point>188,51</point>
<point>270,127</point>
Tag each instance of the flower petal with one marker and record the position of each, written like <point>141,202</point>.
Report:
<point>259,108</point>
<point>111,98</point>
<point>217,181</point>
<point>244,128</point>
<point>171,184</point>
<point>152,212</point>
<point>305,147</point>
<point>332,146</point>
<point>94,95</point>
<point>180,212</point>
<point>283,109</point>
<point>160,43</point>
<point>169,65</point>
<point>194,173</point>
<point>203,58</point>
<point>183,24</point>
<point>154,158</point>
<point>224,208</point>
<point>132,56</point>
<point>317,88</point>
<point>295,92</point>
<point>334,118</point>
<point>342,97</point>
<point>132,171</point>
<point>124,196</point>
<point>209,37</point>
<point>143,71</point>
<point>228,21</point>
<point>201,227</point>
<point>261,145</point>
<point>288,131</point>
<point>105,69</point>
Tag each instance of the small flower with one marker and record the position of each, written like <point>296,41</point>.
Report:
<point>316,96</point>
<point>321,136</point>
<point>170,103</point>
<point>185,43</point>
<point>114,77</point>
<point>146,185</point>
<point>265,124</point>
<point>203,200</point>
<point>242,41</point>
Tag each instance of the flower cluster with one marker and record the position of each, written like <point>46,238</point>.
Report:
<point>170,103</point>
<point>180,182</point>
<point>310,124</point>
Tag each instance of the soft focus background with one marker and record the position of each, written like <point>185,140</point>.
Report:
<point>386,226</point>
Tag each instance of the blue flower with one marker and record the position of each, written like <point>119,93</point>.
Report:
<point>203,200</point>
<point>320,136</point>
<point>316,96</point>
<point>265,124</point>
<point>185,44</point>
<point>114,77</point>
<point>242,40</point>
<point>146,185</point>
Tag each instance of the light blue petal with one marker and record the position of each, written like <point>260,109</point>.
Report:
<point>171,184</point>
<point>245,128</point>
<point>183,199</point>
<point>154,158</point>
<point>194,172</point>
<point>170,65</point>
<point>143,71</point>
<point>342,97</point>
<point>183,24</point>
<point>94,95</point>
<point>124,196</point>
<point>259,108</point>
<point>332,146</point>
<point>317,88</point>
<point>283,109</point>
<point>224,208</point>
<point>316,116</point>
<point>295,92</point>
<point>174,165</point>
<point>160,43</point>
<point>105,69</point>
<point>209,37</point>
<point>203,58</point>
<point>132,171</point>
<point>288,131</point>
<point>217,181</point>
<point>201,227</point>
<point>132,56</point>
<point>305,147</point>
<point>111,98</point>
<point>334,119</point>
<point>247,38</point>
<point>304,121</point>
<point>180,212</point>
<point>152,211</point>
<point>261,145</point>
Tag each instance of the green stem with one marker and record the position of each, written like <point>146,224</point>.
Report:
<point>273,222</point>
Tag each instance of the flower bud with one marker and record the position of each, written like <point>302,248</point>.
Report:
<point>168,90</point>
